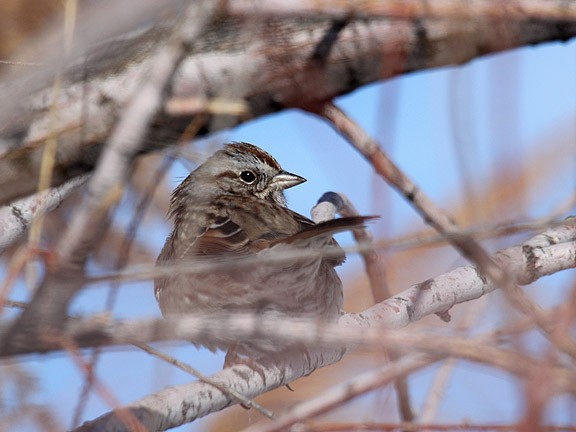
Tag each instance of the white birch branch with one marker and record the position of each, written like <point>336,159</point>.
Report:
<point>293,63</point>
<point>432,296</point>
<point>16,218</point>
<point>525,264</point>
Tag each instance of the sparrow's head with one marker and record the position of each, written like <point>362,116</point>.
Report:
<point>246,170</point>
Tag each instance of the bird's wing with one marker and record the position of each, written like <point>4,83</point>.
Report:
<point>325,229</point>
<point>319,236</point>
<point>239,230</point>
<point>221,236</point>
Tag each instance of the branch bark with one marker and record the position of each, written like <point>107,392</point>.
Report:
<point>50,302</point>
<point>267,67</point>
<point>551,252</point>
<point>16,218</point>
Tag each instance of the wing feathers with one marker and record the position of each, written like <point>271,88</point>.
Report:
<point>326,229</point>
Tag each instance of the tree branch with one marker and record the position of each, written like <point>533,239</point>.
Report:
<point>176,405</point>
<point>439,220</point>
<point>526,264</point>
<point>50,302</point>
<point>266,68</point>
<point>16,218</point>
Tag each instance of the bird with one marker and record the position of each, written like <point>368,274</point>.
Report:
<point>231,208</point>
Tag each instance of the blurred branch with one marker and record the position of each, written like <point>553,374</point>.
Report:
<point>262,70</point>
<point>51,299</point>
<point>479,233</point>
<point>354,330</point>
<point>413,9</point>
<point>434,216</point>
<point>436,427</point>
<point>16,218</point>
<point>346,391</point>
<point>436,295</point>
<point>199,399</point>
<point>125,417</point>
<point>438,387</point>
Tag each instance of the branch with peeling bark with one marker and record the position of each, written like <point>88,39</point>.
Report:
<point>546,253</point>
<point>263,68</point>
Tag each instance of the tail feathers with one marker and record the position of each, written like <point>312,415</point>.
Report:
<point>326,229</point>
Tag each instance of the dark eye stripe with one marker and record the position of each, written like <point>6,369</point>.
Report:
<point>227,174</point>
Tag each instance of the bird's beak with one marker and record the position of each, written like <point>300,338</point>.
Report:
<point>285,180</point>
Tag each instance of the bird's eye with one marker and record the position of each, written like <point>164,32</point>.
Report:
<point>248,177</point>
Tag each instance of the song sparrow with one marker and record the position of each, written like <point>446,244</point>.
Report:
<point>233,206</point>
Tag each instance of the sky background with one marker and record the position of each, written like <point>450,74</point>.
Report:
<point>440,126</point>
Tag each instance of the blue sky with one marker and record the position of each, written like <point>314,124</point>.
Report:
<point>499,108</point>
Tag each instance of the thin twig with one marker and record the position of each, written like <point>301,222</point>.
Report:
<point>125,416</point>
<point>433,215</point>
<point>440,427</point>
<point>378,284</point>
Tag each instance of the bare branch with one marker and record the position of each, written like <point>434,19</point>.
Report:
<point>436,295</point>
<point>248,403</point>
<point>262,70</point>
<point>377,277</point>
<point>50,302</point>
<point>440,221</point>
<point>344,392</point>
<point>174,406</point>
<point>17,217</point>
<point>196,399</point>
<point>407,9</point>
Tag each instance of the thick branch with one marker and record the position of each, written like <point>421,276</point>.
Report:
<point>525,263</point>
<point>173,406</point>
<point>406,9</point>
<point>268,67</point>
